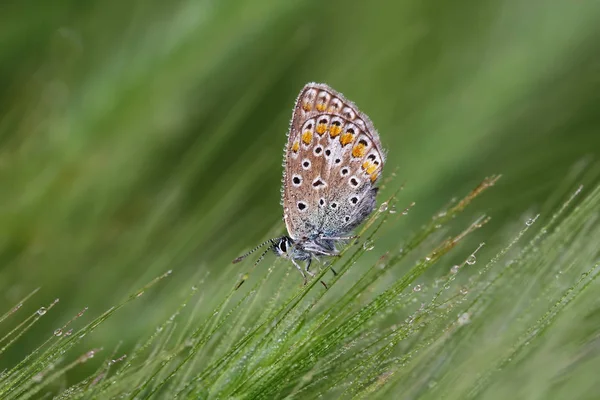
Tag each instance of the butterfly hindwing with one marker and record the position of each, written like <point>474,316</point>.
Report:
<point>333,159</point>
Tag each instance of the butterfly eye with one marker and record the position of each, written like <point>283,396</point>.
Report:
<point>283,245</point>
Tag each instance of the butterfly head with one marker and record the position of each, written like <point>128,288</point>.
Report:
<point>283,246</point>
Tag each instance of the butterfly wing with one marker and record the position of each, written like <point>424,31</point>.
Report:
<point>333,158</point>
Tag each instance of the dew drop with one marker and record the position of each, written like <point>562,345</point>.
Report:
<point>417,288</point>
<point>472,259</point>
<point>393,210</point>
<point>194,288</point>
<point>464,290</point>
<point>38,377</point>
<point>529,222</point>
<point>383,207</point>
<point>58,332</point>
<point>368,245</point>
<point>139,294</point>
<point>42,311</point>
<point>454,269</point>
<point>464,319</point>
<point>427,258</point>
<point>69,332</point>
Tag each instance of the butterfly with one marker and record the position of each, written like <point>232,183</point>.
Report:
<point>332,160</point>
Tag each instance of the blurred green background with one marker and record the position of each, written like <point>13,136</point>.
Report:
<point>142,136</point>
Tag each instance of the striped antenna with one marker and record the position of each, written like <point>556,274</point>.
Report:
<point>240,258</point>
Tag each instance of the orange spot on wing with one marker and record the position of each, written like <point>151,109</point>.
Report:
<point>306,137</point>
<point>321,107</point>
<point>321,129</point>
<point>369,167</point>
<point>335,130</point>
<point>374,176</point>
<point>359,150</point>
<point>346,138</point>
<point>306,106</point>
<point>295,147</point>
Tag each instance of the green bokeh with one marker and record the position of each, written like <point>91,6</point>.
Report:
<point>138,137</point>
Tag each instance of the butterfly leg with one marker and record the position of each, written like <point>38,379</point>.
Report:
<point>299,269</point>
<point>307,268</point>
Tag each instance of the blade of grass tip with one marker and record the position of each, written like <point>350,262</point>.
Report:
<point>446,216</point>
<point>427,346</point>
<point>229,339</point>
<point>41,382</point>
<point>140,349</point>
<point>97,383</point>
<point>188,326</point>
<point>158,368</point>
<point>10,376</point>
<point>17,307</point>
<point>102,372</point>
<point>228,356</point>
<point>526,250</point>
<point>538,329</point>
<point>31,369</point>
<point>203,338</point>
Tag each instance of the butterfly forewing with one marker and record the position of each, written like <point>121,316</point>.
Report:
<point>333,159</point>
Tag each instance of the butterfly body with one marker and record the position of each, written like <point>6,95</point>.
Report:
<point>332,160</point>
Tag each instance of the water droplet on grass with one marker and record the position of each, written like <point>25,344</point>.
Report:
<point>58,332</point>
<point>42,311</point>
<point>472,259</point>
<point>454,269</point>
<point>417,288</point>
<point>464,319</point>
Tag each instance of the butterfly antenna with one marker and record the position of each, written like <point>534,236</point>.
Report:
<point>240,258</point>
<point>246,275</point>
